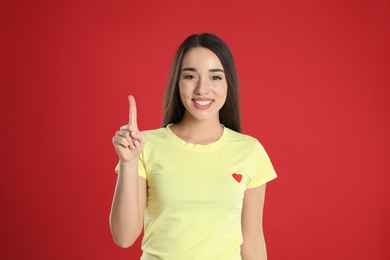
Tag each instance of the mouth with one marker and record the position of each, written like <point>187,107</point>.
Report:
<point>202,103</point>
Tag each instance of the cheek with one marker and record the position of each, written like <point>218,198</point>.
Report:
<point>182,93</point>
<point>222,90</point>
<point>224,93</point>
<point>183,88</point>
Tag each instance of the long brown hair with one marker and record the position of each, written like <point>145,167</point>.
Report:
<point>229,114</point>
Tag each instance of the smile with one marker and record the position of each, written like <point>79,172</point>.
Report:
<point>202,104</point>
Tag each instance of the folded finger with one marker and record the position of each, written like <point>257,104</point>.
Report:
<point>122,141</point>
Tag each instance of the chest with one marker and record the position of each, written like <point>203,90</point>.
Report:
<point>206,181</point>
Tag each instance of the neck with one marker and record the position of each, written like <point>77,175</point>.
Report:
<point>198,131</point>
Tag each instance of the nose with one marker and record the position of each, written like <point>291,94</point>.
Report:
<point>202,87</point>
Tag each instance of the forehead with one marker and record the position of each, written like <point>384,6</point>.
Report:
<point>200,57</point>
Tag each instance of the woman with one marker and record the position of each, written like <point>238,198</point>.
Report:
<point>197,185</point>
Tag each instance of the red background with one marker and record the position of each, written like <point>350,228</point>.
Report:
<point>314,78</point>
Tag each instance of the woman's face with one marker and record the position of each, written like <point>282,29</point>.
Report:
<point>202,84</point>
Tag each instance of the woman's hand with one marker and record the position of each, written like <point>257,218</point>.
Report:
<point>128,205</point>
<point>128,141</point>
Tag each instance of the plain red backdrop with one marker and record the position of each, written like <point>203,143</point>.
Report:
<point>314,83</point>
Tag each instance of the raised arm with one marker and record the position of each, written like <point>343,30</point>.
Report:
<point>128,205</point>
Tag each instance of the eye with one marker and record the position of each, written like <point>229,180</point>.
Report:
<point>189,77</point>
<point>216,78</point>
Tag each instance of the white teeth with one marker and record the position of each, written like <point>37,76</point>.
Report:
<point>203,103</point>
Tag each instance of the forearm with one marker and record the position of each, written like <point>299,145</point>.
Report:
<point>254,250</point>
<point>253,246</point>
<point>126,220</point>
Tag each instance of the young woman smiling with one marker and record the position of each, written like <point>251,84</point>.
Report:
<point>197,185</point>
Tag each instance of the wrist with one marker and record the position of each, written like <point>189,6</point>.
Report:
<point>128,163</point>
<point>125,166</point>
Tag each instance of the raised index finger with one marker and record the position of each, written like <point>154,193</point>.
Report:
<point>132,112</point>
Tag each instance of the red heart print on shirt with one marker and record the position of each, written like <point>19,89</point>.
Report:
<point>237,177</point>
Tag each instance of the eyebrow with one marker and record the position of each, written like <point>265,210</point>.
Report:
<point>211,70</point>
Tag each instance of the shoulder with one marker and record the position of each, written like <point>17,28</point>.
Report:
<point>243,139</point>
<point>246,144</point>
<point>154,132</point>
<point>155,136</point>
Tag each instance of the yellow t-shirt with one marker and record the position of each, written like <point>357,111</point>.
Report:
<point>195,194</point>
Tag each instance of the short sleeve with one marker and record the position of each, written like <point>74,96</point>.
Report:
<point>263,170</point>
<point>141,167</point>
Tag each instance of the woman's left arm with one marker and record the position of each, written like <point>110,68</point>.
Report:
<point>253,246</point>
